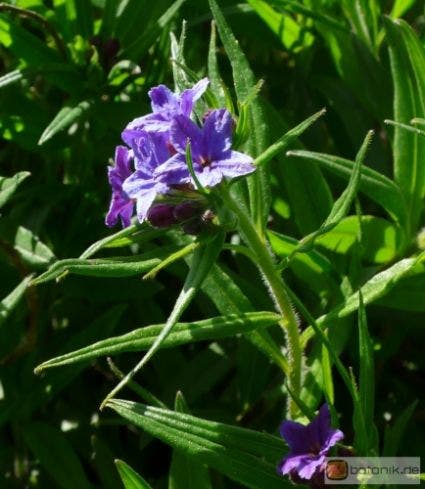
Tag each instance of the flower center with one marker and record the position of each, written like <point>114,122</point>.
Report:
<point>171,148</point>
<point>315,449</point>
<point>204,161</point>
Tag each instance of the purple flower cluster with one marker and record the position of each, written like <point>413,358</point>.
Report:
<point>151,172</point>
<point>309,446</point>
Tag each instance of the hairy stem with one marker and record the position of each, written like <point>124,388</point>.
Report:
<point>265,263</point>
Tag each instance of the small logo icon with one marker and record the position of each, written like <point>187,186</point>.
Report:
<point>336,470</point>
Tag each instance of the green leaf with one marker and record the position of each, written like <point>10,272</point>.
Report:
<point>343,204</point>
<point>184,472</point>
<point>143,338</point>
<point>8,185</point>
<point>363,16</point>
<point>408,292</point>
<point>31,249</point>
<point>400,7</point>
<point>8,304</point>
<point>407,56</point>
<point>130,478</point>
<point>248,457</point>
<point>288,30</point>
<point>394,434</point>
<point>341,207</point>
<point>119,266</point>
<point>299,8</point>
<point>25,46</point>
<point>244,81</point>
<point>407,127</point>
<point>381,240</point>
<point>63,119</point>
<point>372,290</point>
<point>49,444</point>
<point>376,186</point>
<point>367,377</point>
<point>216,82</point>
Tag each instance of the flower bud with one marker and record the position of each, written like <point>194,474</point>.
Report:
<point>161,216</point>
<point>186,210</point>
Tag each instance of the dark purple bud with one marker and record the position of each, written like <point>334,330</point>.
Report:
<point>161,216</point>
<point>193,227</point>
<point>186,210</point>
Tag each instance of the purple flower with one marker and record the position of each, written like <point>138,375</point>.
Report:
<point>121,204</point>
<point>165,106</point>
<point>213,158</point>
<point>309,445</point>
<point>150,150</point>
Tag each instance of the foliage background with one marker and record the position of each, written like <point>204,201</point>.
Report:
<point>51,432</point>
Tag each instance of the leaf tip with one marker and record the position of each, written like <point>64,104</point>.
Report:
<point>38,370</point>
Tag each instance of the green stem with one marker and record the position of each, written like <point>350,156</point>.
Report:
<point>266,264</point>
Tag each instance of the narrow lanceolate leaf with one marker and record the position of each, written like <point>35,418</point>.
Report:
<point>372,290</point>
<point>8,186</point>
<point>406,127</point>
<point>216,82</point>
<point>244,84</point>
<point>130,478</point>
<point>185,472</point>
<point>202,261</point>
<point>11,77</point>
<point>407,56</point>
<point>8,304</point>
<point>120,266</point>
<point>248,457</point>
<point>343,204</point>
<point>282,143</point>
<point>376,186</point>
<point>143,338</point>
<point>367,376</point>
<point>63,119</point>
